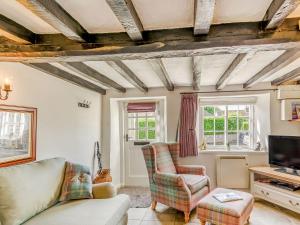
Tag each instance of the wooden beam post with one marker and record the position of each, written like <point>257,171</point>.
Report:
<point>287,77</point>
<point>59,73</point>
<point>204,12</point>
<point>278,11</point>
<point>227,75</point>
<point>161,72</point>
<point>286,58</point>
<point>85,70</point>
<point>127,73</point>
<point>128,17</point>
<point>197,72</point>
<point>52,13</point>
<point>15,31</point>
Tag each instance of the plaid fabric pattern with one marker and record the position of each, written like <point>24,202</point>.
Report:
<point>164,160</point>
<point>77,183</point>
<point>196,170</point>
<point>167,188</point>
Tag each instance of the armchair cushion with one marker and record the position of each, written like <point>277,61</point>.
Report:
<point>164,159</point>
<point>195,182</point>
<point>168,179</point>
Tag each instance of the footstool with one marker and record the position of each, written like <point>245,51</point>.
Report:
<point>230,213</point>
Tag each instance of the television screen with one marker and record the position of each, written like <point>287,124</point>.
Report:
<point>284,151</point>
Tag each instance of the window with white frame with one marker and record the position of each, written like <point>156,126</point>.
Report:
<point>223,125</point>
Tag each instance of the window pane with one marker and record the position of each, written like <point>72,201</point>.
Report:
<point>232,110</point>
<point>209,137</point>
<point>244,139</point>
<point>244,123</point>
<point>151,134</point>
<point>142,122</point>
<point>232,138</point>
<point>220,111</point>
<point>209,111</point>
<point>232,123</point>
<point>132,135</point>
<point>131,114</point>
<point>220,138</point>
<point>141,114</point>
<point>208,124</point>
<point>151,114</point>
<point>219,124</point>
<point>131,123</point>
<point>142,134</point>
<point>244,110</point>
<point>151,122</point>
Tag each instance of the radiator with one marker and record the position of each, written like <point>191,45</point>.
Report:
<point>232,171</point>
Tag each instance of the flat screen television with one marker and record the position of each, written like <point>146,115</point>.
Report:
<point>284,151</point>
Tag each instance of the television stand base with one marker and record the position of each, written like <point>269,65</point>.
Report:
<point>287,171</point>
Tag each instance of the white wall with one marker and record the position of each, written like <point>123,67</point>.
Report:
<point>63,129</point>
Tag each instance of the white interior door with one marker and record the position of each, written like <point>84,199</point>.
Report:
<point>140,128</point>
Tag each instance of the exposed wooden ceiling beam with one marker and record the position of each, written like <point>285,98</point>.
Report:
<point>51,12</point>
<point>287,77</point>
<point>227,75</point>
<point>197,71</point>
<point>278,11</point>
<point>204,12</point>
<point>286,58</point>
<point>128,17</point>
<point>85,70</point>
<point>15,31</point>
<point>59,73</point>
<point>127,73</point>
<point>161,72</point>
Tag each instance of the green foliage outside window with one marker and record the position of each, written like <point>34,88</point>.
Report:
<point>142,133</point>
<point>220,124</point>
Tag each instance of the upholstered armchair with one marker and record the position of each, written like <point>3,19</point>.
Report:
<point>178,186</point>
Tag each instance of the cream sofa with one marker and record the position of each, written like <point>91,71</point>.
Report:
<point>29,195</point>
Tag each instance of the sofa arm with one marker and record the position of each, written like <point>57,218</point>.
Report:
<point>104,190</point>
<point>196,170</point>
<point>168,179</point>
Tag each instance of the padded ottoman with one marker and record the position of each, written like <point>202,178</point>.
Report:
<point>229,213</point>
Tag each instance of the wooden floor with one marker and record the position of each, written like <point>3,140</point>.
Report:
<point>263,213</point>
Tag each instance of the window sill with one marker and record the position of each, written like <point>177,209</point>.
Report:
<point>233,151</point>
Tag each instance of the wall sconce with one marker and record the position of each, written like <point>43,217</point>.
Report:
<point>84,104</point>
<point>6,88</point>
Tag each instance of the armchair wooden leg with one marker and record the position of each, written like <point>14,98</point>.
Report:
<point>203,222</point>
<point>186,217</point>
<point>153,205</point>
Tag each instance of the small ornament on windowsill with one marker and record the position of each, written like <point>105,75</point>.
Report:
<point>258,147</point>
<point>203,144</point>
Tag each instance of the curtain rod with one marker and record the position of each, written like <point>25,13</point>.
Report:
<point>208,92</point>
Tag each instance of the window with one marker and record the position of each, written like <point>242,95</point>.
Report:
<point>227,124</point>
<point>142,126</point>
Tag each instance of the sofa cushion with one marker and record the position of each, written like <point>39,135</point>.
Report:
<point>194,182</point>
<point>84,212</point>
<point>77,183</point>
<point>164,159</point>
<point>28,189</point>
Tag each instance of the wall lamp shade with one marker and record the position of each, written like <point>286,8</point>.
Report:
<point>5,89</point>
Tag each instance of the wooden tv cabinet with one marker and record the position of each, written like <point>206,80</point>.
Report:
<point>260,187</point>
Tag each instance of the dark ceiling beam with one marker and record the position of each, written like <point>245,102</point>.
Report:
<point>15,31</point>
<point>128,17</point>
<point>287,77</point>
<point>160,70</point>
<point>52,13</point>
<point>278,11</point>
<point>283,60</point>
<point>87,71</point>
<point>59,73</point>
<point>128,74</point>
<point>204,12</point>
<point>227,75</point>
<point>197,71</point>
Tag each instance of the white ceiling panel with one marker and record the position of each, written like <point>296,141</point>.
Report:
<point>166,14</point>
<point>144,72</point>
<point>18,13</point>
<point>284,70</point>
<point>254,64</point>
<point>106,70</point>
<point>179,70</point>
<point>94,15</point>
<point>213,66</point>
<point>231,11</point>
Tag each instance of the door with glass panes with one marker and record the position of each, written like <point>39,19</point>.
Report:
<point>141,128</point>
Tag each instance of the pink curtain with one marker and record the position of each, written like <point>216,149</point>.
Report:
<point>187,132</point>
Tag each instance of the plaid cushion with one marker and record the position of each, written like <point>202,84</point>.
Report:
<point>164,160</point>
<point>77,183</point>
<point>195,182</point>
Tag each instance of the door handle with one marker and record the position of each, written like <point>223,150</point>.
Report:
<point>126,137</point>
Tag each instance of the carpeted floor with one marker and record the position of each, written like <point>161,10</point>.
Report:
<point>140,196</point>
